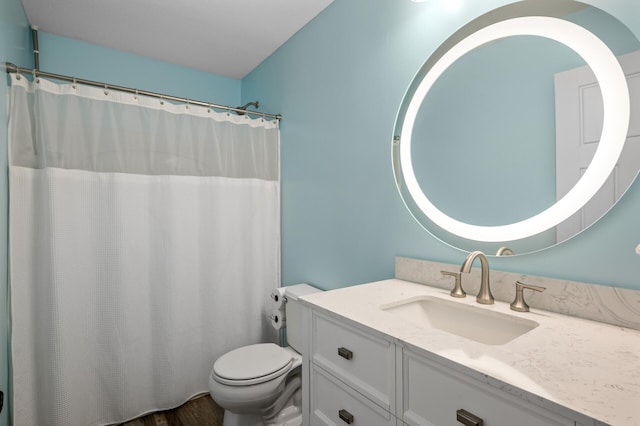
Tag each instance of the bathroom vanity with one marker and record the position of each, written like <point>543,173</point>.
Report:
<point>375,357</point>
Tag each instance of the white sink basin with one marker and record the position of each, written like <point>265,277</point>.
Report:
<point>481,325</point>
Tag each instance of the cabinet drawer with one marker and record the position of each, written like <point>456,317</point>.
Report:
<point>433,394</point>
<point>335,404</point>
<point>362,361</point>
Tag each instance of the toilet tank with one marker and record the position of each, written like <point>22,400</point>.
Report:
<point>293,312</point>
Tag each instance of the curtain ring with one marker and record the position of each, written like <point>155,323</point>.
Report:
<point>209,109</point>
<point>187,105</point>
<point>74,83</point>
<point>161,100</point>
<point>135,97</point>
<point>106,91</point>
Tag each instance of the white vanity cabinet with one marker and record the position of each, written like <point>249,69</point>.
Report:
<point>353,378</point>
<point>434,395</point>
<point>360,378</point>
<point>335,403</point>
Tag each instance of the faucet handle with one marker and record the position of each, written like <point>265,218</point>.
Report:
<point>519,304</point>
<point>457,288</point>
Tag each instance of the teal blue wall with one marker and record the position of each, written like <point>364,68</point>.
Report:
<point>338,83</point>
<point>65,56</point>
<point>14,42</point>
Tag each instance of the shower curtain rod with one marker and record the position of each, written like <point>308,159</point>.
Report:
<point>12,68</point>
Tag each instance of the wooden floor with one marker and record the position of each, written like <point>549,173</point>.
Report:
<point>201,411</point>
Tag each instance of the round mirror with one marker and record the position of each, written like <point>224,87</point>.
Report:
<point>512,131</point>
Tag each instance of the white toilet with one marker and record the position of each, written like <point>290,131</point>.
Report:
<point>262,384</point>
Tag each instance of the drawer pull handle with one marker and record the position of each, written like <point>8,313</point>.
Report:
<point>468,419</point>
<point>345,416</point>
<point>345,353</point>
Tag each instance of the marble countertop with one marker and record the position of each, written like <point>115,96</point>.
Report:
<point>591,368</point>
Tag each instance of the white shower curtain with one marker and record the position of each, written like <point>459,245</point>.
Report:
<point>144,241</point>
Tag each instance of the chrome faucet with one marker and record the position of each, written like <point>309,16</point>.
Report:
<point>484,295</point>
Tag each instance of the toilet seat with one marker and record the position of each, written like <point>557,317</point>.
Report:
<point>251,365</point>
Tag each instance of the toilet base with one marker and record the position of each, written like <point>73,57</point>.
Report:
<point>233,419</point>
<point>290,418</point>
<point>289,415</point>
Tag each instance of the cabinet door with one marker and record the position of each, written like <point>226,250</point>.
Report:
<point>361,360</point>
<point>432,396</point>
<point>335,404</point>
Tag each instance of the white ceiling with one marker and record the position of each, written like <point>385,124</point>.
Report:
<point>224,37</point>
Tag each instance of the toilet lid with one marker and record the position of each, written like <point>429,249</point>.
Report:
<point>253,362</point>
